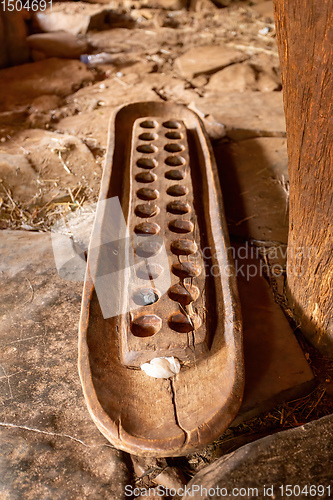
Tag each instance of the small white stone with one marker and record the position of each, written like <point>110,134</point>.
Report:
<point>164,367</point>
<point>264,31</point>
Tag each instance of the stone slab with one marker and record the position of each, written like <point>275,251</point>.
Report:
<point>80,17</point>
<point>121,40</point>
<point>88,126</point>
<point>237,77</point>
<point>76,22</point>
<point>254,180</point>
<point>21,84</point>
<point>275,366</point>
<point>19,176</point>
<point>302,456</point>
<point>45,103</point>
<point>246,114</point>
<point>207,59</point>
<point>243,77</point>
<point>50,160</point>
<point>50,446</point>
<point>58,44</point>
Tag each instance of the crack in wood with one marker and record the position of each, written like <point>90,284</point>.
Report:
<point>173,400</point>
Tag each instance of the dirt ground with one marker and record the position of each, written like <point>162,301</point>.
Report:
<point>54,115</point>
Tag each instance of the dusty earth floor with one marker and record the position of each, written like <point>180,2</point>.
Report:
<point>54,115</point>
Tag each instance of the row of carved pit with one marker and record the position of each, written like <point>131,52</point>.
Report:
<point>147,325</point>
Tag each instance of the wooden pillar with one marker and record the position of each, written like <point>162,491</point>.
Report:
<point>14,49</point>
<point>305,40</point>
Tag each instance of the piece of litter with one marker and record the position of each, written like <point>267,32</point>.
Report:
<point>162,367</point>
<point>264,31</point>
<point>95,59</point>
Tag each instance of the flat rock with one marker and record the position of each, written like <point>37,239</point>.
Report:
<point>21,84</point>
<point>57,44</point>
<point>80,17</point>
<point>254,179</point>
<point>54,21</point>
<point>246,114</point>
<point>45,103</point>
<point>300,456</point>
<point>56,161</point>
<point>237,77</point>
<point>89,126</point>
<point>275,366</point>
<point>206,60</point>
<point>19,176</point>
<point>121,40</point>
<point>244,77</point>
<point>50,446</point>
<point>176,90</point>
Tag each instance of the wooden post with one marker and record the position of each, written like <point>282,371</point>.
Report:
<point>305,35</point>
<point>14,49</point>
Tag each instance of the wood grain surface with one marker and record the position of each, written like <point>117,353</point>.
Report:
<point>305,33</point>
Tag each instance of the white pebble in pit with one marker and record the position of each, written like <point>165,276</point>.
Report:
<point>162,367</point>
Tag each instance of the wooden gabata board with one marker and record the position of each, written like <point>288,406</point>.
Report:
<point>160,283</point>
